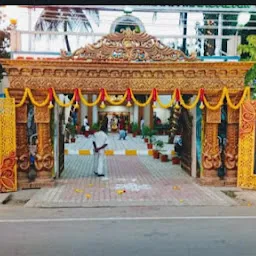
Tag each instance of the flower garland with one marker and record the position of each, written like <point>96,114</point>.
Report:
<point>32,99</point>
<point>168,105</point>
<point>246,93</point>
<point>139,103</point>
<point>86,103</point>
<point>154,97</point>
<point>115,103</point>
<point>192,105</point>
<point>64,105</point>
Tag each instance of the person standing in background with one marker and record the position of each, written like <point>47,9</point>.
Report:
<point>142,122</point>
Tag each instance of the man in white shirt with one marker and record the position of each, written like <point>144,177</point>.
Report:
<point>86,124</point>
<point>100,141</point>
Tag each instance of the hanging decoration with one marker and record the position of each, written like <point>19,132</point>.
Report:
<point>154,97</point>
<point>50,98</point>
<point>129,98</point>
<point>177,99</point>
<point>103,96</point>
<point>201,98</point>
<point>102,104</point>
<point>76,98</point>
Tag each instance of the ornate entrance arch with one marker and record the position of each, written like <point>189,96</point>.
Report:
<point>117,62</point>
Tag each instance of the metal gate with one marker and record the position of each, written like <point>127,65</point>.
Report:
<point>246,177</point>
<point>8,168</point>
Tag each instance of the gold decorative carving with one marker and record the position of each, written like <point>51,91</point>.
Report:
<point>8,168</point>
<point>42,115</point>
<point>44,160</point>
<point>22,149</point>
<point>246,153</point>
<point>213,116</point>
<point>128,46</point>
<point>22,115</point>
<point>117,76</point>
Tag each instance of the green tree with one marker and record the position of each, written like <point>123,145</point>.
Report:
<point>248,52</point>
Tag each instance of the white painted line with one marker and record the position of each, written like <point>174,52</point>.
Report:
<point>73,152</point>
<point>127,218</point>
<point>119,152</point>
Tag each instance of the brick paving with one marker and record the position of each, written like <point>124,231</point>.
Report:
<point>146,181</point>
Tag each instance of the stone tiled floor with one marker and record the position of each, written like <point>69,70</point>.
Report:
<point>115,144</point>
<point>146,181</point>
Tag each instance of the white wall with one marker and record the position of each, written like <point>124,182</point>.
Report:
<point>163,114</point>
<point>94,111</point>
<point>84,110</point>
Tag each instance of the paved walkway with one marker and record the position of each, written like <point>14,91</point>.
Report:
<point>146,181</point>
<point>119,147</point>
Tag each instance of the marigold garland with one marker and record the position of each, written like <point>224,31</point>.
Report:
<point>219,104</point>
<point>192,105</point>
<point>43,104</point>
<point>246,93</point>
<point>170,104</point>
<point>85,102</point>
<point>139,103</point>
<point>115,103</point>
<point>200,97</point>
<point>64,105</point>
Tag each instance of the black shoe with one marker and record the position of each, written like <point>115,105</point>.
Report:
<point>101,175</point>
<point>95,173</point>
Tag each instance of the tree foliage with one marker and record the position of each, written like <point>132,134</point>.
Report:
<point>248,52</point>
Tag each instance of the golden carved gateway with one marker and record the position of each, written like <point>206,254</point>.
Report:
<point>117,62</point>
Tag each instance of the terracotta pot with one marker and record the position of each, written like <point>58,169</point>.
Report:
<point>164,158</point>
<point>86,134</point>
<point>73,140</point>
<point>155,154</point>
<point>175,160</point>
<point>134,134</point>
<point>146,140</point>
<point>150,146</point>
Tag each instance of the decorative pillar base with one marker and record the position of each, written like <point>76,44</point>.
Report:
<point>231,178</point>
<point>211,181</point>
<point>38,183</point>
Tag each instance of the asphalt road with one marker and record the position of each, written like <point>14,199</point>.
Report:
<point>179,234</point>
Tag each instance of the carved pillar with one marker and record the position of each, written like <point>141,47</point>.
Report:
<point>211,157</point>
<point>231,149</point>
<point>22,148</point>
<point>44,161</point>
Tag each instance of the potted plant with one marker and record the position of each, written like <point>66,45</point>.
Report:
<point>95,127</point>
<point>135,129</point>
<point>175,158</point>
<point>145,132</point>
<point>72,130</point>
<point>163,156</point>
<point>159,144</point>
<point>150,135</point>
